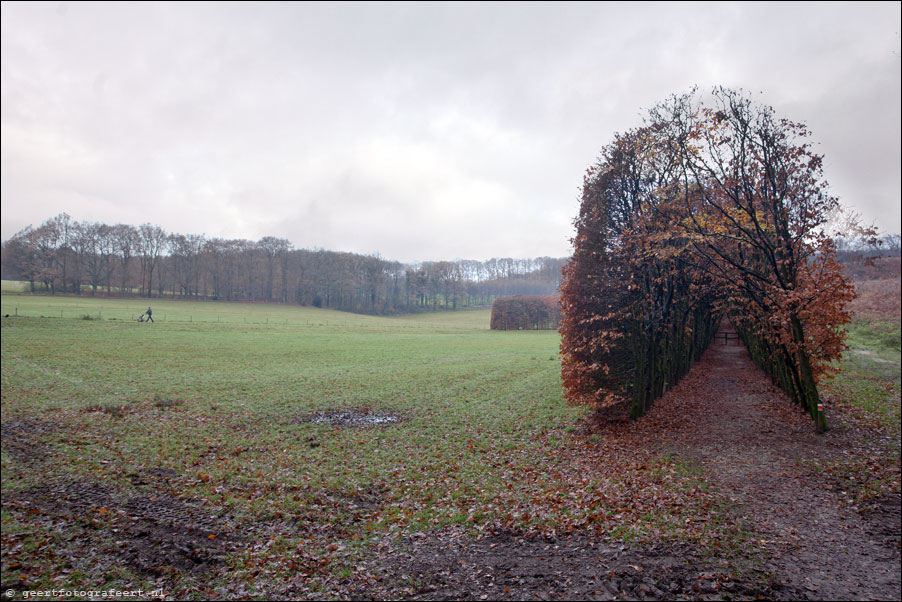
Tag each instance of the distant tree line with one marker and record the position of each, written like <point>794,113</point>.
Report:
<point>864,250</point>
<point>67,256</point>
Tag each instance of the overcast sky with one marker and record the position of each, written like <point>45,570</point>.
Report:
<point>418,131</point>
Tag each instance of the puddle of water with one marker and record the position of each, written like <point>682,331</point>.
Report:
<point>353,418</point>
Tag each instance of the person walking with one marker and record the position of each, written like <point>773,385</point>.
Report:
<point>149,315</point>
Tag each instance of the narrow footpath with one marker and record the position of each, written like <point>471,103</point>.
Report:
<point>758,449</point>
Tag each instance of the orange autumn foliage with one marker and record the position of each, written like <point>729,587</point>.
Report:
<point>526,312</point>
<point>714,207</point>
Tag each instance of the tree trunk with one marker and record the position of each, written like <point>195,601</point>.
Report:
<point>806,376</point>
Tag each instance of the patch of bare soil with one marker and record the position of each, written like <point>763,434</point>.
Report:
<point>21,438</point>
<point>154,534</point>
<point>452,566</point>
<point>164,532</point>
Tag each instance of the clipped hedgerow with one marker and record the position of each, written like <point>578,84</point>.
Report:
<point>523,312</point>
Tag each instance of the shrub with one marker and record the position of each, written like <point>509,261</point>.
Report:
<point>523,312</point>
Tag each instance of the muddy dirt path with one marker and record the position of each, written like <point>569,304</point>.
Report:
<point>756,448</point>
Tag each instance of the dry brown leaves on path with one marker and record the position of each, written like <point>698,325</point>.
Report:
<point>759,450</point>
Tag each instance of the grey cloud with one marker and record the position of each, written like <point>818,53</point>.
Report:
<point>416,130</point>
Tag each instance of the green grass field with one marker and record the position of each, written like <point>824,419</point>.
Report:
<point>868,380</point>
<point>221,396</point>
<point>207,367</point>
<point>866,390</point>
